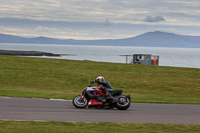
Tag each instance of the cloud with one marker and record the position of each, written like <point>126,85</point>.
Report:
<point>117,11</point>
<point>154,19</point>
<point>27,23</point>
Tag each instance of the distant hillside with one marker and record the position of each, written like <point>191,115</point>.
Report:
<point>150,39</point>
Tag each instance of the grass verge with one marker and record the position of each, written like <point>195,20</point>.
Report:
<point>78,127</point>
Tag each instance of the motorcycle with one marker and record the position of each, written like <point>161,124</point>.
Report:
<point>93,97</point>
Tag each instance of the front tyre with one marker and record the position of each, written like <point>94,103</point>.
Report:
<point>123,103</point>
<point>79,102</point>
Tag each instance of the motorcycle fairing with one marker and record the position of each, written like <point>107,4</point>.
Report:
<point>93,102</point>
<point>92,89</point>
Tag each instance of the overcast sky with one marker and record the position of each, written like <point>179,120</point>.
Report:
<point>98,19</point>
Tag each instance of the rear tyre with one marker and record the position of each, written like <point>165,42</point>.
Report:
<point>123,103</point>
<point>79,102</point>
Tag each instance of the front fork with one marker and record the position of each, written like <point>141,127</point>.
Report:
<point>83,94</point>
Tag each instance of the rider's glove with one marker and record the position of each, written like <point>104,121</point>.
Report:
<point>92,82</point>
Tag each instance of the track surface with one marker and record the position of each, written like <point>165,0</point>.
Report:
<point>58,110</point>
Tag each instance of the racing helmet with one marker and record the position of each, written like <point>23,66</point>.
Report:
<point>100,78</point>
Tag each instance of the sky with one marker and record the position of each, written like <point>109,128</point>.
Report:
<point>98,19</point>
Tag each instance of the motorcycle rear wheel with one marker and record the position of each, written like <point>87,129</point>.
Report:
<point>123,103</point>
<point>80,103</point>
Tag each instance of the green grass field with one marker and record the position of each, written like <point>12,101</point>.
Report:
<point>67,127</point>
<point>55,78</point>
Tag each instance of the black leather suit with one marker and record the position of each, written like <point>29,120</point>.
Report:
<point>105,87</point>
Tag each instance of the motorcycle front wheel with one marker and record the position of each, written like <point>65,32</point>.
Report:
<point>79,102</point>
<point>123,103</point>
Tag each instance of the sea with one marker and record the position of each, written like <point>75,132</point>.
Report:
<point>173,57</point>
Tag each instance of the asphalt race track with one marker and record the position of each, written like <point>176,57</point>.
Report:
<point>62,110</point>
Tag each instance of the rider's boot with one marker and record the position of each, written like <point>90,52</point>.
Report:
<point>110,97</point>
<point>114,100</point>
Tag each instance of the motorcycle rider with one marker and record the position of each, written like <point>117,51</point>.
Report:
<point>105,87</point>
